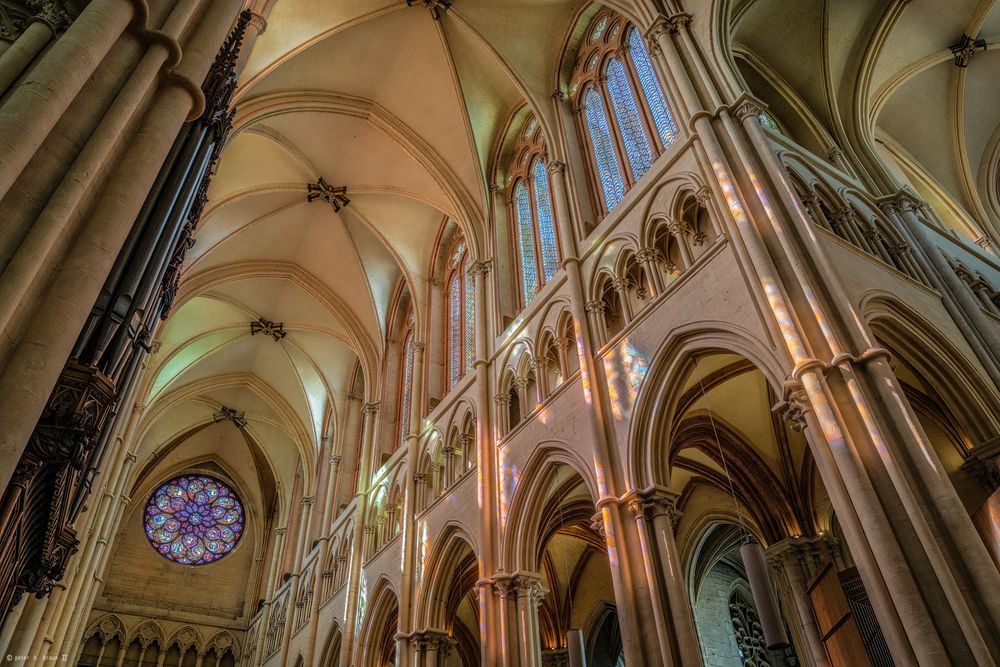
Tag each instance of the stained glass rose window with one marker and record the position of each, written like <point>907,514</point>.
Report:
<point>194,520</point>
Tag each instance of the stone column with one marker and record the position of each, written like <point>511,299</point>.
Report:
<point>368,434</point>
<point>840,432</point>
<point>520,594</point>
<point>633,604</point>
<point>529,595</point>
<point>449,465</point>
<point>680,231</point>
<point>786,558</point>
<point>40,29</point>
<point>620,286</point>
<point>272,585</point>
<point>502,401</point>
<point>595,312</point>
<point>540,364</point>
<point>656,517</point>
<point>409,526</point>
<point>40,354</point>
<point>33,109</point>
<point>650,260</point>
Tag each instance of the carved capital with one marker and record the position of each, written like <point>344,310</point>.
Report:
<point>748,107</point>
<point>371,408</point>
<point>480,268</point>
<point>556,167</point>
<point>649,255</point>
<point>596,306</point>
<point>51,12</point>
<point>653,502</point>
<point>502,399</point>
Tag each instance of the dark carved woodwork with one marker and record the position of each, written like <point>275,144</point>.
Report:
<point>67,448</point>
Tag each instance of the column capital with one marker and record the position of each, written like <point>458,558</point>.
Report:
<point>648,255</point>
<point>480,268</point>
<point>371,408</point>
<point>596,306</point>
<point>502,399</point>
<point>748,106</point>
<point>307,500</point>
<point>806,551</point>
<point>620,284</point>
<point>557,167</point>
<point>335,460</point>
<point>418,346</point>
<point>654,501</point>
<point>280,532</point>
<point>50,12</point>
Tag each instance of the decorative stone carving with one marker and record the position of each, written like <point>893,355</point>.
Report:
<point>51,12</point>
<point>323,191</point>
<point>748,108</point>
<point>371,409</point>
<point>556,167</point>
<point>237,417</point>
<point>436,7</point>
<point>965,49</point>
<point>649,255</point>
<point>653,502</point>
<point>480,268</point>
<point>596,306</point>
<point>793,407</point>
<point>597,524</point>
<point>268,328</point>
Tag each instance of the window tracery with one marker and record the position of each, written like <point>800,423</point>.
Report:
<point>620,106</point>
<point>194,519</point>
<point>536,241</point>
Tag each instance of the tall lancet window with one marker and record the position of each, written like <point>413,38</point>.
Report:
<point>461,314</point>
<point>536,241</point>
<point>406,378</point>
<point>624,119</point>
<point>662,117</point>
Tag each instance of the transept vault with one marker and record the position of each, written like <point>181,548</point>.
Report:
<point>499,333</point>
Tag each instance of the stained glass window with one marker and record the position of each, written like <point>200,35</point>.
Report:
<point>404,398</point>
<point>546,224</point>
<point>525,241</point>
<point>768,121</point>
<point>455,319</point>
<point>662,116</point>
<point>470,320</point>
<point>640,155</point>
<point>194,520</point>
<point>608,168</point>
<point>599,28</point>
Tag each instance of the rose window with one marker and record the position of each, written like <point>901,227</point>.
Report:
<point>194,520</point>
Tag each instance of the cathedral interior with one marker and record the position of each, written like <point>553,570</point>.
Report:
<point>500,333</point>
